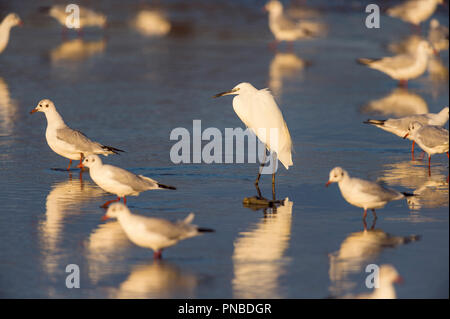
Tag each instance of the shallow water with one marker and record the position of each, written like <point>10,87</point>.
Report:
<point>129,91</point>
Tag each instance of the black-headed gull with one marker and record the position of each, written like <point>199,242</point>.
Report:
<point>11,20</point>
<point>387,277</point>
<point>414,11</point>
<point>154,233</point>
<point>119,181</point>
<point>403,67</point>
<point>432,139</point>
<point>400,126</point>
<point>362,193</point>
<point>285,29</point>
<point>65,141</point>
<point>438,35</point>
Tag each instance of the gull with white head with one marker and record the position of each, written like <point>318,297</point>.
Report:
<point>11,20</point>
<point>68,142</point>
<point>430,138</point>
<point>362,193</point>
<point>261,114</point>
<point>414,11</point>
<point>284,29</point>
<point>400,126</point>
<point>154,233</point>
<point>119,181</point>
<point>403,67</point>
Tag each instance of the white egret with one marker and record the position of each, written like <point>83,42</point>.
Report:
<point>261,114</point>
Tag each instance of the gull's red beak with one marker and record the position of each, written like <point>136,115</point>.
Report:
<point>104,217</point>
<point>399,280</point>
<point>33,111</point>
<point>327,184</point>
<point>21,23</point>
<point>407,134</point>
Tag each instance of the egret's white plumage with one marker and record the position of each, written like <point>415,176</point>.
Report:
<point>65,141</point>
<point>11,20</point>
<point>362,193</point>
<point>119,181</point>
<point>261,114</point>
<point>414,11</point>
<point>153,233</point>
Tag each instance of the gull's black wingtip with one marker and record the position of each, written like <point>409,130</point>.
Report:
<point>166,186</point>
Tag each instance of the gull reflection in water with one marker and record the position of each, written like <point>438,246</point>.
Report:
<point>283,66</point>
<point>258,256</point>
<point>400,102</point>
<point>431,191</point>
<point>8,110</point>
<point>63,201</point>
<point>356,252</point>
<point>158,279</point>
<point>76,50</point>
<point>106,245</point>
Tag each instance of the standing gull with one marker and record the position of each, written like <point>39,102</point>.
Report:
<point>403,67</point>
<point>118,181</point>
<point>154,233</point>
<point>414,11</point>
<point>11,20</point>
<point>432,139</point>
<point>261,114</point>
<point>88,17</point>
<point>362,193</point>
<point>400,126</point>
<point>65,141</point>
<point>285,29</point>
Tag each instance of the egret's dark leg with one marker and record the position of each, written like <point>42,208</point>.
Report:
<point>260,167</point>
<point>273,178</point>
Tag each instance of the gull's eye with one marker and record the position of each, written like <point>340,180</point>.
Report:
<point>93,159</point>
<point>87,160</point>
<point>46,105</point>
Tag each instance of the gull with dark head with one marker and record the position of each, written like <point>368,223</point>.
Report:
<point>68,142</point>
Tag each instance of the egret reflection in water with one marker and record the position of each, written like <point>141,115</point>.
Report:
<point>284,66</point>
<point>258,258</point>
<point>357,251</point>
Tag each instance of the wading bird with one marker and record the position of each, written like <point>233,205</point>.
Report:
<point>261,114</point>
<point>67,142</point>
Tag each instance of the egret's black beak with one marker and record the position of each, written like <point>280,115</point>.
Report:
<point>225,93</point>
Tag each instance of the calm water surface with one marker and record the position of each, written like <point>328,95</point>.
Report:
<point>130,91</point>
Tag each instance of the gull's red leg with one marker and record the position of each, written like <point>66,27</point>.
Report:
<point>80,165</point>
<point>365,214</point>
<point>105,205</point>
<point>412,149</point>
<point>70,163</point>
<point>157,254</point>
<point>447,155</point>
<point>124,200</point>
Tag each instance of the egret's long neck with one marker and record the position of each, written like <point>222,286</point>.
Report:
<point>54,119</point>
<point>4,35</point>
